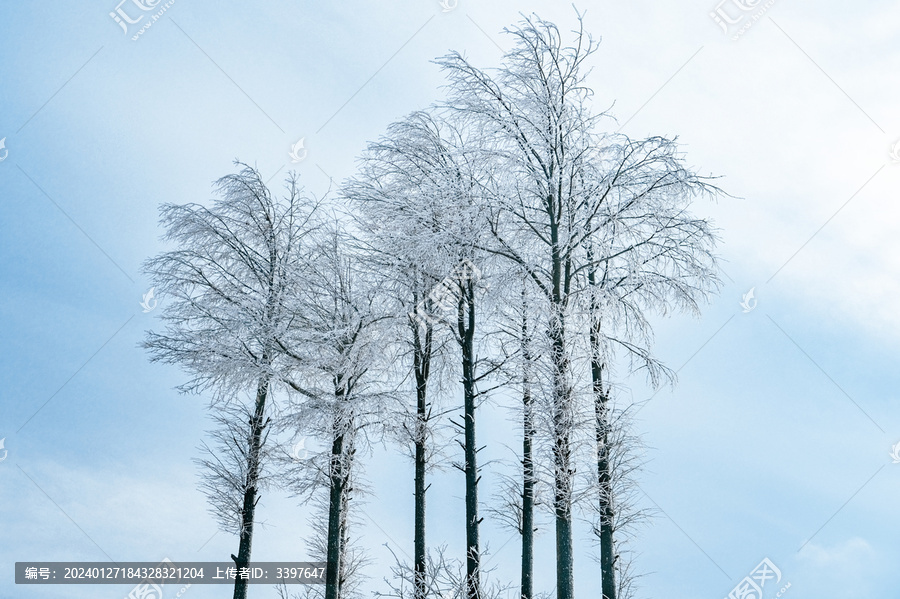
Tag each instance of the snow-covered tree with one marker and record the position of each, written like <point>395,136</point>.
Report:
<point>419,189</point>
<point>334,346</point>
<point>521,357</point>
<point>644,252</point>
<point>579,213</point>
<point>536,126</point>
<point>402,229</point>
<point>226,282</point>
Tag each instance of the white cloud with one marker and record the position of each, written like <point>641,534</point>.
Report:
<point>845,569</point>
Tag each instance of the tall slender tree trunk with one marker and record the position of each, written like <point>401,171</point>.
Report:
<point>604,485</point>
<point>466,331</point>
<point>419,585</point>
<point>337,486</point>
<point>248,509</point>
<point>562,411</point>
<point>527,583</point>
<point>607,549</point>
<point>601,430</point>
<point>346,495</point>
<point>257,424</point>
<point>421,366</point>
<point>562,500</point>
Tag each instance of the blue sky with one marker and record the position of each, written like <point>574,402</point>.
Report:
<point>779,431</point>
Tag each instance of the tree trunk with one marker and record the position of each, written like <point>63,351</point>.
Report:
<point>343,572</point>
<point>466,330</point>
<point>257,424</point>
<point>562,410</point>
<point>562,499</point>
<point>526,589</point>
<point>335,503</point>
<point>337,483</point>
<point>604,485</point>
<point>420,590</point>
<point>419,526</point>
<point>607,550</point>
<point>421,365</point>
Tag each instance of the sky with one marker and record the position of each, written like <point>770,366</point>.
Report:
<point>776,441</point>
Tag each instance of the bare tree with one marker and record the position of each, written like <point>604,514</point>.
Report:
<point>226,281</point>
<point>528,527</point>
<point>425,173</point>
<point>577,211</point>
<point>538,129</point>
<point>335,360</point>
<point>520,355</point>
<point>402,221</point>
<point>644,251</point>
<point>457,184</point>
